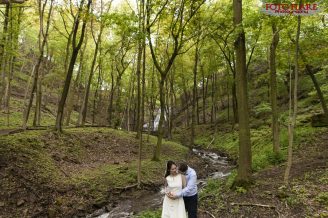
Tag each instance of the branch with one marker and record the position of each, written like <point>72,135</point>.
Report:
<point>205,211</point>
<point>250,204</point>
<point>157,15</point>
<point>252,51</point>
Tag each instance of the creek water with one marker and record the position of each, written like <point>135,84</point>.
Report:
<point>146,200</point>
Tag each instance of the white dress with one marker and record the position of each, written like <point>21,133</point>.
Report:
<point>174,208</point>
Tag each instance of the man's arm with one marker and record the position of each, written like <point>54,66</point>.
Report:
<point>191,183</point>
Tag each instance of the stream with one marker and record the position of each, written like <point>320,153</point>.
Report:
<point>146,200</point>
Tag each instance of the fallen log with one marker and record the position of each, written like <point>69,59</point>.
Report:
<point>12,1</point>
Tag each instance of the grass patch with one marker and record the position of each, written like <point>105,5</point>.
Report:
<point>150,214</point>
<point>262,147</point>
<point>40,155</point>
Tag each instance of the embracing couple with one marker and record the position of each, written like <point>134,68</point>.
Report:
<point>180,191</point>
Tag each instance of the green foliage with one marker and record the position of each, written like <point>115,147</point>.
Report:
<point>322,198</point>
<point>324,178</point>
<point>262,108</point>
<point>241,190</point>
<point>31,153</point>
<point>150,214</point>
<point>276,158</point>
<point>211,195</point>
<point>231,179</point>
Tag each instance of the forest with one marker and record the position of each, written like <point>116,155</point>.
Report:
<point>96,96</point>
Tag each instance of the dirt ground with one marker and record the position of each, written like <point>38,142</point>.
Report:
<point>269,197</point>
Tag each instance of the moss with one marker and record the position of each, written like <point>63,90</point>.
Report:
<point>150,214</point>
<point>211,195</point>
<point>32,152</point>
<point>261,139</point>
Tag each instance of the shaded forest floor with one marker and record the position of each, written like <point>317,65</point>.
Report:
<point>45,174</point>
<point>306,196</point>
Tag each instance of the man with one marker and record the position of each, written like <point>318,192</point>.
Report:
<point>189,193</point>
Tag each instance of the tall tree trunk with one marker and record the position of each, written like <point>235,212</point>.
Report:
<point>234,99</point>
<point>152,104</point>
<point>76,48</point>
<point>245,155</point>
<point>204,98</point>
<point>42,44</point>
<point>84,107</point>
<point>3,45</point>
<point>118,106</point>
<point>95,96</point>
<point>212,98</point>
<point>37,114</point>
<point>228,96</point>
<point>111,98</point>
<point>193,119</point>
<point>273,86</point>
<point>13,44</point>
<point>128,111</point>
<point>316,85</point>
<point>157,151</point>
<point>292,116</point>
<point>76,84</point>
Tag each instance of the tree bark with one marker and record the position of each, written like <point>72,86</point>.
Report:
<point>194,96</point>
<point>76,48</point>
<point>74,87</point>
<point>316,84</point>
<point>35,86</point>
<point>84,107</point>
<point>273,87</point>
<point>245,156</point>
<point>3,53</point>
<point>204,98</point>
<point>157,151</point>
<point>292,123</point>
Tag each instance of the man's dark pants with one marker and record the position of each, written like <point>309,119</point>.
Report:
<point>191,205</point>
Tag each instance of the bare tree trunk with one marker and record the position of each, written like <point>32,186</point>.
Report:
<point>273,86</point>
<point>42,44</point>
<point>111,97</point>
<point>193,120</point>
<point>140,79</point>
<point>161,120</point>
<point>75,86</point>
<point>292,116</point>
<point>316,85</point>
<point>245,156</point>
<point>228,96</point>
<point>84,107</point>
<point>11,57</point>
<point>204,98</point>
<point>37,114</point>
<point>152,103</point>
<point>3,53</point>
<point>212,98</point>
<point>234,99</point>
<point>76,48</point>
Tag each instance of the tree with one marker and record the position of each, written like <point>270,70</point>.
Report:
<point>181,14</point>
<point>293,114</point>
<point>76,47</point>
<point>273,86</point>
<point>97,42</point>
<point>36,87</point>
<point>245,155</point>
<point>140,80</point>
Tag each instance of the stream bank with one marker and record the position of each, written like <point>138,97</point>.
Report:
<point>208,165</point>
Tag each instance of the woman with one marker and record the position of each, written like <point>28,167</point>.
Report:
<point>174,182</point>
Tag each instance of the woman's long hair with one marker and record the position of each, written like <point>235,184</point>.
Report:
<point>168,167</point>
